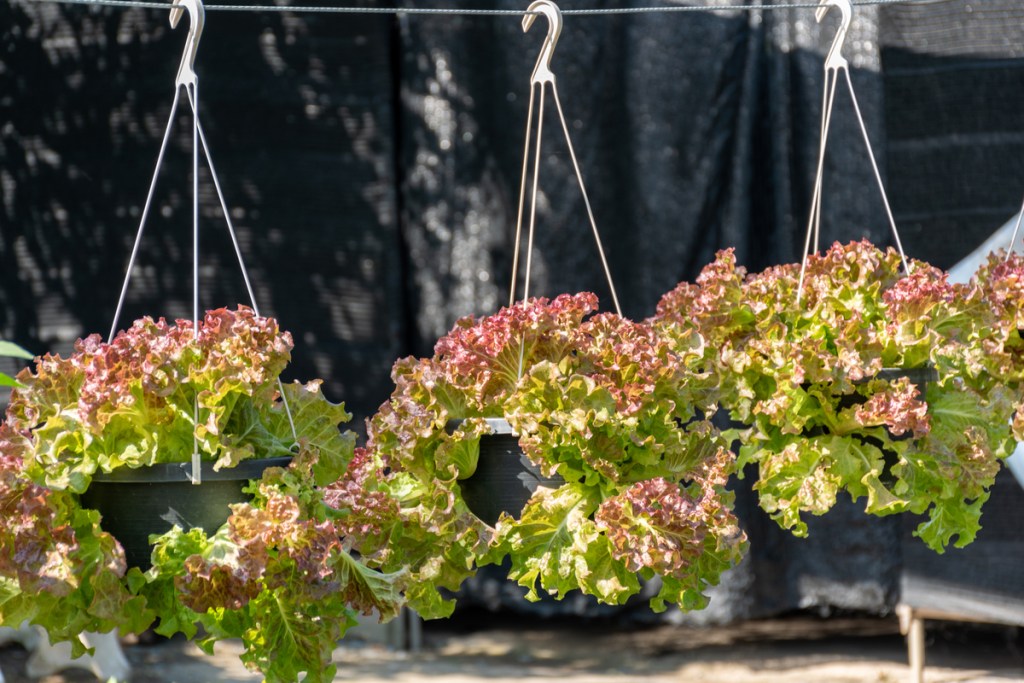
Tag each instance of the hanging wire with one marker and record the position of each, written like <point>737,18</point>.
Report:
<point>543,76</point>
<point>142,221</point>
<point>192,90</point>
<point>238,254</point>
<point>586,201</point>
<point>1016,231</point>
<point>835,64</point>
<point>186,80</point>
<point>306,9</point>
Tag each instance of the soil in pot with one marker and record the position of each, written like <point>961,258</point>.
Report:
<point>138,502</point>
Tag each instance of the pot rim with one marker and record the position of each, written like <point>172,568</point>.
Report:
<point>917,375</point>
<point>498,425</point>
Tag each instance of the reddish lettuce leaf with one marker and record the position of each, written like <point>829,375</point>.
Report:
<point>133,402</point>
<point>57,568</point>
<point>802,375</point>
<point>278,575</point>
<point>603,402</point>
<point>687,535</point>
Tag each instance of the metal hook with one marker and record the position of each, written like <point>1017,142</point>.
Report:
<point>834,63</point>
<point>197,17</point>
<point>542,74</point>
<point>542,71</point>
<point>834,59</point>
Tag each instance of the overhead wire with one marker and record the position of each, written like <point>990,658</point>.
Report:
<point>597,11</point>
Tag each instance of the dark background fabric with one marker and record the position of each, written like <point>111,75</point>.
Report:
<point>953,121</point>
<point>372,167</point>
<point>299,115</point>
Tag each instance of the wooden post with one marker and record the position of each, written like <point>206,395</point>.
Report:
<point>912,626</point>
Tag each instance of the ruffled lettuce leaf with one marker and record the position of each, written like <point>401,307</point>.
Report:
<point>401,523</point>
<point>686,534</point>
<point>277,575</point>
<point>58,569</point>
<point>603,402</point>
<point>267,431</point>
<point>1000,282</point>
<point>136,400</point>
<point>484,358</point>
<point>948,474</point>
<point>799,370</point>
<point>558,547</point>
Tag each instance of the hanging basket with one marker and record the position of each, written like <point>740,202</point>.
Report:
<point>138,502</point>
<point>505,478</point>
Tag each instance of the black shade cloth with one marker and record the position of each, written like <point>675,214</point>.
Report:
<point>954,75</point>
<point>372,168</point>
<point>298,112</point>
<point>694,133</point>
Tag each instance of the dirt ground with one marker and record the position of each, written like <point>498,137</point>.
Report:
<point>794,650</point>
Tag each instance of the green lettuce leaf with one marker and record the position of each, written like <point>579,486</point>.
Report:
<point>557,547</point>
<point>12,350</point>
<point>150,395</point>
<point>601,401</point>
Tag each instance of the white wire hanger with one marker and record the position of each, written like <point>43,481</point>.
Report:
<point>834,64</point>
<point>1016,231</point>
<point>187,80</point>
<point>543,75</point>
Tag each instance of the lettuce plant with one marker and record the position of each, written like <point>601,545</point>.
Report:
<point>999,356</point>
<point>279,574</point>
<point>599,400</point>
<point>11,350</point>
<point>825,389</point>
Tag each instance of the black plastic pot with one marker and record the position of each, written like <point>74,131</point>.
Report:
<point>918,376</point>
<point>505,478</point>
<point>137,502</point>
